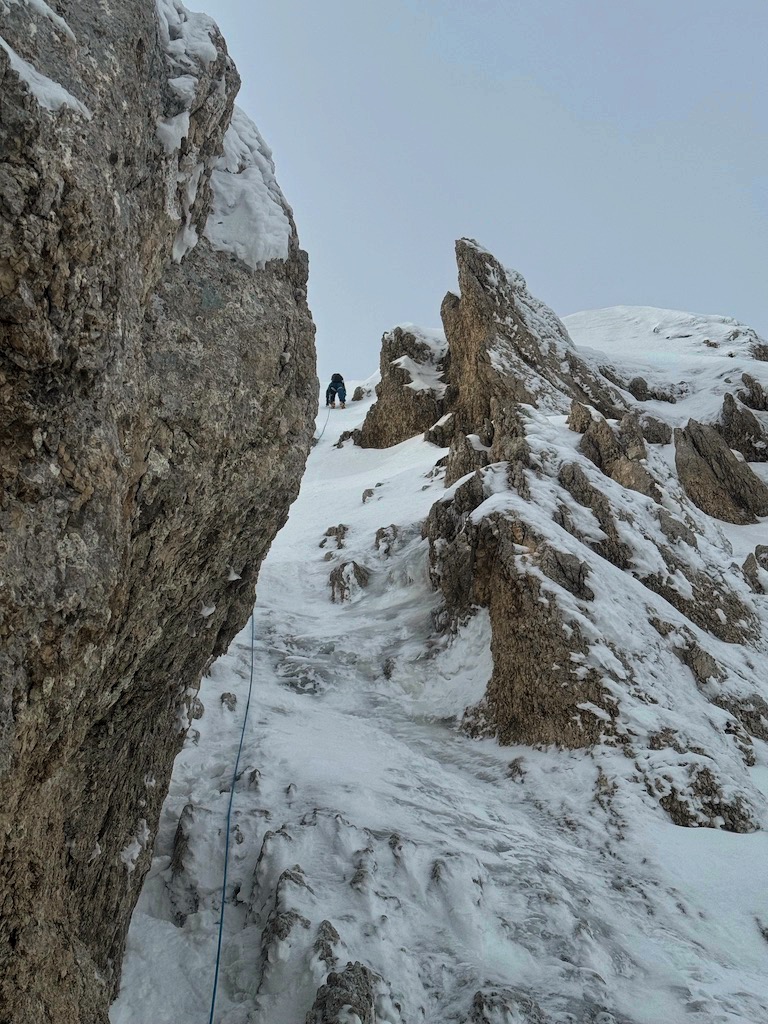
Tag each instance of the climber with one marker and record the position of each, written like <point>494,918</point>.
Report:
<point>336,389</point>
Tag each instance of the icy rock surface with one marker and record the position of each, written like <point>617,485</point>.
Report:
<point>156,395</point>
<point>521,775</point>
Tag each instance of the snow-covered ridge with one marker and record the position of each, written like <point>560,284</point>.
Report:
<point>696,358</point>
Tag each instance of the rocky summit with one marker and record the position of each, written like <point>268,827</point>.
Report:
<point>157,390</point>
<point>510,755</point>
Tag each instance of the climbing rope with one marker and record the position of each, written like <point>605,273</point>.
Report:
<point>229,820</point>
<point>325,424</point>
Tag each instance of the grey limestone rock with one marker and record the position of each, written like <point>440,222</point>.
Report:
<point>156,398</point>
<point>337,534</point>
<point>503,347</point>
<point>406,404</point>
<point>655,431</point>
<point>713,477</point>
<point>535,688</point>
<point>754,396</point>
<point>755,569</point>
<point>742,431</point>
<point>506,344</point>
<point>620,454</point>
<point>346,579</point>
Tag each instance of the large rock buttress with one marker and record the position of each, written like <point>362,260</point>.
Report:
<point>157,392</point>
<point>568,541</point>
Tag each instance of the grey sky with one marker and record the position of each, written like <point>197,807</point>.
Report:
<point>613,151</point>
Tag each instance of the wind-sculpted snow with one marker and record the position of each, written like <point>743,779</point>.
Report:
<point>248,215</point>
<point>695,360</point>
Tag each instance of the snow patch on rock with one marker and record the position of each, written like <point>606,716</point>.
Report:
<point>248,217</point>
<point>186,36</point>
<point>49,94</point>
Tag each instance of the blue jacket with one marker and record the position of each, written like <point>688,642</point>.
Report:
<point>335,388</point>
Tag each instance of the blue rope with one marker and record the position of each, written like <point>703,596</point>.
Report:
<point>229,820</point>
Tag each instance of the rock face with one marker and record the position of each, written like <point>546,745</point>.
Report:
<point>157,388</point>
<point>742,430</point>
<point>501,347</point>
<point>714,479</point>
<point>352,991</point>
<point>507,346</point>
<point>410,393</point>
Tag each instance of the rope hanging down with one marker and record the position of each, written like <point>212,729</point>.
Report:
<point>229,821</point>
<point>324,425</point>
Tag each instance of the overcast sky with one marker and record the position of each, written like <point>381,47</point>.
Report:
<point>612,151</point>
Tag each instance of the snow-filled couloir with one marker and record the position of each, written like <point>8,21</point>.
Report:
<point>507,756</point>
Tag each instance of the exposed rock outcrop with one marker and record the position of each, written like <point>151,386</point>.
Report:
<point>503,347</point>
<point>755,569</point>
<point>336,535</point>
<point>410,393</point>
<point>621,455</point>
<point>347,992</point>
<point>754,396</point>
<point>538,681</point>
<point>741,430</point>
<point>713,477</point>
<point>157,388</point>
<point>346,581</point>
<point>506,345</point>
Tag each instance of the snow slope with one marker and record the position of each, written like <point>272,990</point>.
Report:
<point>694,356</point>
<point>481,883</point>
